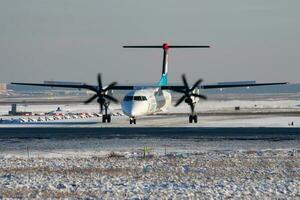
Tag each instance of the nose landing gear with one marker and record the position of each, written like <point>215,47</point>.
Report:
<point>132,120</point>
<point>193,118</point>
<point>106,118</point>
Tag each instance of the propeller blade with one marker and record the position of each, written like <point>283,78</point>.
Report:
<point>91,99</point>
<point>92,88</point>
<point>110,86</point>
<point>196,84</point>
<point>180,100</point>
<point>199,96</point>
<point>111,98</point>
<point>99,81</point>
<point>186,85</point>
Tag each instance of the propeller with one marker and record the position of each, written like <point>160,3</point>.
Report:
<point>188,93</point>
<point>101,93</point>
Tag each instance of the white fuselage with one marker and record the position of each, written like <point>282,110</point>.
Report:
<point>145,101</point>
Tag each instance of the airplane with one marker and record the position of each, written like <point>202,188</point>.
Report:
<point>147,100</point>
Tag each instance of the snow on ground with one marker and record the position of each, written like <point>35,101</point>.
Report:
<point>172,169</point>
<point>213,175</point>
<point>202,106</point>
<point>171,121</point>
<point>175,115</point>
<point>231,117</point>
<point>75,108</point>
<point>248,105</point>
<point>53,147</point>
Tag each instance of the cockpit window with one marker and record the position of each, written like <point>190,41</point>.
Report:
<point>135,98</point>
<point>139,98</point>
<point>128,98</point>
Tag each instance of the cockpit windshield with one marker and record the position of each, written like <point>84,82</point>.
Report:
<point>135,98</point>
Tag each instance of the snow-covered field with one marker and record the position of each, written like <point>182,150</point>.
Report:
<point>261,105</point>
<point>251,120</point>
<point>172,169</point>
<point>251,174</point>
<point>280,111</point>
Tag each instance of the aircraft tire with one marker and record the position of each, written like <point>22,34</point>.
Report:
<point>195,118</point>
<point>103,118</point>
<point>191,119</point>
<point>108,119</point>
<point>134,121</point>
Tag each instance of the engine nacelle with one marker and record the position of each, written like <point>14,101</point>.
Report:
<point>196,99</point>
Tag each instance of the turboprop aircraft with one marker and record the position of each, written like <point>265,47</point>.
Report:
<point>146,100</point>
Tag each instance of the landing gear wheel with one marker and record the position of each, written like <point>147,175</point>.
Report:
<point>193,118</point>
<point>132,120</point>
<point>106,118</point>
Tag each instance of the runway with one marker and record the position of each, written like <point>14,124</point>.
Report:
<point>208,133</point>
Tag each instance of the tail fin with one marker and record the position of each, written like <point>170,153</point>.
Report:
<point>164,74</point>
<point>163,80</point>
<point>164,77</point>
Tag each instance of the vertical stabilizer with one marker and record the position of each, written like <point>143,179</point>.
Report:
<point>164,77</point>
<point>163,80</point>
<point>164,74</point>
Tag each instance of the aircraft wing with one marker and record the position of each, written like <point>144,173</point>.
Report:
<point>76,86</point>
<point>130,87</point>
<point>79,86</point>
<point>173,87</point>
<point>239,85</point>
<point>216,86</point>
<point>122,87</point>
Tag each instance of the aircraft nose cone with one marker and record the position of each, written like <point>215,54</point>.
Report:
<point>135,108</point>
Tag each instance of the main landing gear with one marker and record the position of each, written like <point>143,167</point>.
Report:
<point>190,96</point>
<point>101,94</point>
<point>132,120</point>
<point>193,118</point>
<point>106,117</point>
